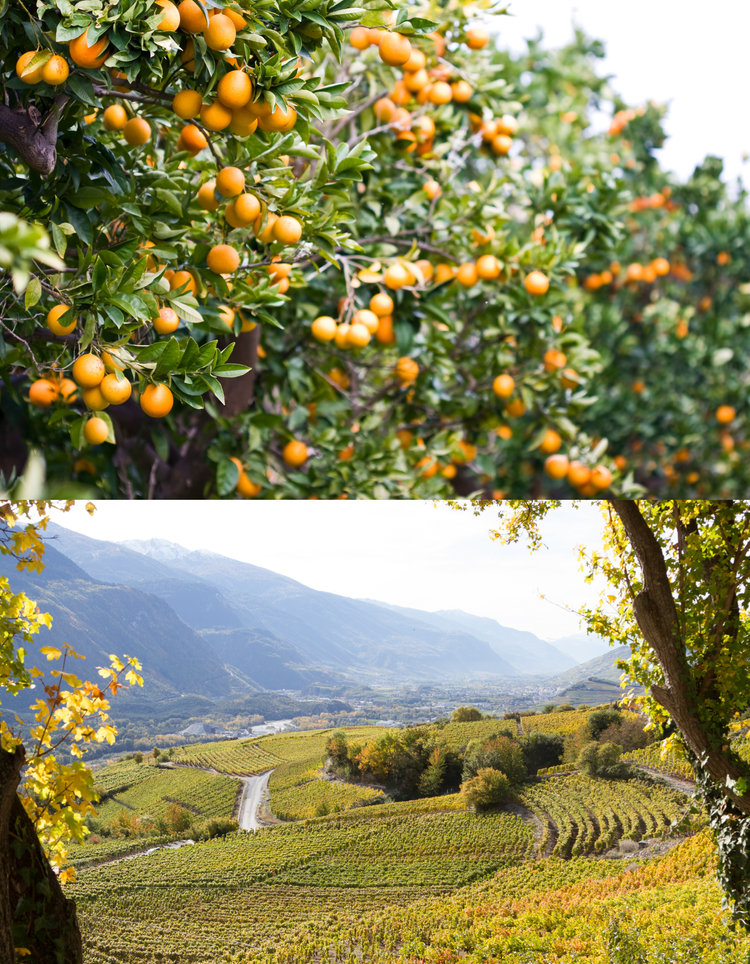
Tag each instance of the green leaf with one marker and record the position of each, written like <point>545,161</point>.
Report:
<point>33,292</point>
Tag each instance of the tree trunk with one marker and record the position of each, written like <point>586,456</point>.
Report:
<point>655,611</point>
<point>34,912</point>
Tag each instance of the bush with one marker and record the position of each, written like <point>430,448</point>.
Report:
<point>498,753</point>
<point>603,760</point>
<point>487,790</point>
<point>215,827</point>
<point>466,714</point>
<point>600,720</point>
<point>542,750</point>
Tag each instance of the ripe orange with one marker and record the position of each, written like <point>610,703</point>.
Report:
<point>171,17</point>
<point>207,196</point>
<point>193,17</point>
<point>384,109</point>
<point>551,441</point>
<point>358,335</point>
<point>407,370</point>
<point>578,474</point>
<point>287,230</point>
<point>265,234</point>
<point>725,414</point>
<point>237,19</point>
<point>440,93</point>
<point>187,104</point>
<point>226,314</point>
<point>68,390</point>
<point>93,399</point>
<point>381,304</point>
<point>279,269</point>
<point>96,430</point>
<point>295,453</point>
<point>432,189</point>
<point>58,327</point>
<point>245,209</point>
<point>504,432</point>
<point>477,37</point>
<point>601,477</point>
<point>245,487</point>
<point>29,76</point>
<point>501,144</point>
<point>55,71</point>
<point>235,89</point>
<point>395,49</point>
<point>193,139</point>
<point>416,61</point>
<point>503,386</point>
<point>462,91</point>
<point>223,259</point>
<point>280,119</point>
<point>182,278</point>
<point>634,272</point>
<point>220,33</point>
<point>554,359</point>
<point>166,321</point>
<point>324,328</point>
<point>244,122</point>
<point>88,370</point>
<point>444,272</point>
<point>230,181</point>
<point>43,392</point>
<point>156,400</point>
<point>115,390</point>
<point>467,274</point>
<point>359,38</point>
<point>416,80</point>
<point>660,266</point>
<point>341,335</point>
<point>396,276</point>
<point>88,57</point>
<point>515,408</point>
<point>137,131</point>
<point>488,267</point>
<point>367,318</point>
<point>215,116</point>
<point>556,466</point>
<point>536,283</point>
<point>385,334</point>
<point>115,117</point>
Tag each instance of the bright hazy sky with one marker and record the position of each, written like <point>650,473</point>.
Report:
<point>406,553</point>
<point>692,58</point>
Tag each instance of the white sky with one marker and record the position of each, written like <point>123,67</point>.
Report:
<point>406,553</point>
<point>692,58</point>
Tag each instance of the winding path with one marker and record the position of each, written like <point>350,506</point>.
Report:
<point>253,794</point>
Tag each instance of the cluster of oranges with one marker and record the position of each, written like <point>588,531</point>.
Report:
<point>587,480</point>
<point>48,68</point>
<point>623,117</point>
<point>365,323</point>
<point>635,272</point>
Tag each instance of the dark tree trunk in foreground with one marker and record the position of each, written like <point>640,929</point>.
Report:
<point>34,912</point>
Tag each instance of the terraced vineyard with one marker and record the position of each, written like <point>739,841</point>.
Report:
<point>668,763</point>
<point>583,815</point>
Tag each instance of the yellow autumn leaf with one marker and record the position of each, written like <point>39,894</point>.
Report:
<point>51,652</point>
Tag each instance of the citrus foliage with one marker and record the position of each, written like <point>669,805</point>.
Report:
<point>339,250</point>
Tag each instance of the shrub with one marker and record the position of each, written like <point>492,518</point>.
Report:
<point>466,714</point>
<point>542,750</point>
<point>498,753</point>
<point>487,790</point>
<point>603,760</point>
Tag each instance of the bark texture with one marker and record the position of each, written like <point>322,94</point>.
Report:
<point>34,912</point>
<point>31,136</point>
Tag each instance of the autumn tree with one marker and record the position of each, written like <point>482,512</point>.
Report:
<point>46,790</point>
<point>677,578</point>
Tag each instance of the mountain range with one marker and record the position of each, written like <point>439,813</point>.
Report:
<point>206,626</point>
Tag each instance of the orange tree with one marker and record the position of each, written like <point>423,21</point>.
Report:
<point>334,250</point>
<point>46,790</point>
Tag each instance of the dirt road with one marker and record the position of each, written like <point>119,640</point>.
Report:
<point>252,797</point>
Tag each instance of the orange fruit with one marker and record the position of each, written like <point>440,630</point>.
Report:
<point>429,467</point>
<point>394,49</point>
<point>68,390</point>
<point>660,266</point>
<point>554,359</point>
<point>55,71</point>
<point>88,57</point>
<point>385,334</point>
<point>166,321</point>
<point>477,37</point>
<point>43,392</point>
<point>432,189</point>
<point>536,283</point>
<point>324,328</point>
<point>601,477</point>
<point>367,318</point>
<point>416,61</point>
<point>556,466</point>
<point>245,209</point>
<point>287,230</point>
<point>515,408</point>
<point>137,131</point>
<point>440,93</point>
<point>30,76</point>
<point>235,89</point>
<point>230,181</point>
<point>223,259</point>
<point>171,16</point>
<point>444,272</point>
<point>111,364</point>
<point>115,390</point>
<point>551,441</point>
<point>725,414</point>
<point>226,314</point>
<point>359,38</point>
<point>216,116</point>
<point>156,400</point>
<point>182,278</point>
<point>504,432</point>
<point>462,91</point>
<point>187,104</point>
<point>503,386</point>
<point>193,139</point>
<point>193,17</point>
<point>384,109</point>
<point>237,19</point>
<point>244,122</point>
<point>96,430</point>
<point>88,370</point>
<point>634,272</point>
<point>265,234</point>
<point>93,399</point>
<point>58,327</point>
<point>207,197</point>
<point>358,335</point>
<point>467,274</point>
<point>115,117</point>
<point>396,276</point>
<point>245,487</point>
<point>220,33</point>
<point>488,267</point>
<point>415,81</point>
<point>578,474</point>
<point>407,370</point>
<point>381,304</point>
<point>294,453</point>
<point>280,119</point>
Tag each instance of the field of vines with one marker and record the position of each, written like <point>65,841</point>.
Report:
<point>668,763</point>
<point>583,815</point>
<point>201,794</point>
<point>564,723</point>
